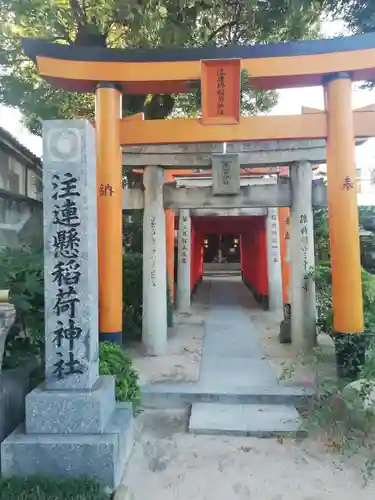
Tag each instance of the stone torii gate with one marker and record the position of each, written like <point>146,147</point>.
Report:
<point>262,197</point>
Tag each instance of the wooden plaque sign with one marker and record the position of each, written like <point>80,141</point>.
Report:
<point>221,86</point>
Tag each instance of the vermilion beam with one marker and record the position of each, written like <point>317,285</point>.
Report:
<point>270,66</point>
<point>254,128</point>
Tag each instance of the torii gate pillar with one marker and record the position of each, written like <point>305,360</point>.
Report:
<point>109,188</point>
<point>342,207</point>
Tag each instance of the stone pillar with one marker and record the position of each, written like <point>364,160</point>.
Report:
<point>343,208</point>
<point>70,257</point>
<point>73,415</point>
<point>302,257</point>
<point>184,262</point>
<point>275,290</point>
<point>154,325</point>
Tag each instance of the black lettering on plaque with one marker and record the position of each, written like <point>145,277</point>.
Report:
<point>67,273</point>
<point>220,90</point>
<point>67,214</point>
<point>66,301</point>
<point>71,333</point>
<point>66,243</point>
<point>68,186</point>
<point>59,367</point>
<point>73,365</point>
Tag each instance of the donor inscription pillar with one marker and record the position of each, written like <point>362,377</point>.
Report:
<point>184,262</point>
<point>73,426</point>
<point>302,287</point>
<point>154,324</point>
<point>342,207</point>
<point>275,289</point>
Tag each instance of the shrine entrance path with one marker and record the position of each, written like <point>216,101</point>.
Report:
<point>233,357</point>
<point>234,368</point>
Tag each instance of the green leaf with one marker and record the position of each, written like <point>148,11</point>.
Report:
<point>138,24</point>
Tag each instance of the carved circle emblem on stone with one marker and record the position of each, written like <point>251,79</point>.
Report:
<point>64,145</point>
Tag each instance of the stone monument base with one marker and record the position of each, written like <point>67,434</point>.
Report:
<point>56,452</point>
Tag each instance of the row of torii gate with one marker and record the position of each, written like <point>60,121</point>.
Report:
<point>109,73</point>
<point>272,213</point>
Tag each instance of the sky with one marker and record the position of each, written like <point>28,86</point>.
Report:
<point>290,102</point>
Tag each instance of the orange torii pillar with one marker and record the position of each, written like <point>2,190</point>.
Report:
<point>242,257</point>
<point>201,262</point>
<point>169,232</point>
<point>109,187</point>
<point>284,220</point>
<point>195,258</point>
<point>262,269</point>
<point>247,257</point>
<point>192,257</point>
<point>342,207</point>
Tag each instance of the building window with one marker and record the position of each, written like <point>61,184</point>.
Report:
<point>34,185</point>
<point>3,210</point>
<point>4,167</point>
<point>13,182</point>
<point>17,177</point>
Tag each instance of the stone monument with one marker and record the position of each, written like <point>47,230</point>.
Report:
<point>7,317</point>
<point>73,426</point>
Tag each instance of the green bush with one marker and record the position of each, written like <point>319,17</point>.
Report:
<point>21,271</point>
<point>43,488</point>
<point>133,298</point>
<point>323,281</point>
<point>114,361</point>
<point>132,294</point>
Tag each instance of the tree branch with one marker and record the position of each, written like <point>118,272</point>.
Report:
<point>223,27</point>
<point>239,11</point>
<point>78,12</point>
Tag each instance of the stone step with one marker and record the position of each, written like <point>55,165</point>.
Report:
<point>221,273</point>
<point>254,420</point>
<point>182,395</point>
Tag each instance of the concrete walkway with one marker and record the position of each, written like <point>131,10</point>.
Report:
<point>233,361</point>
<point>233,358</point>
<point>234,369</point>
